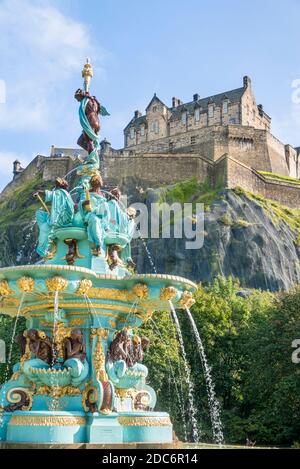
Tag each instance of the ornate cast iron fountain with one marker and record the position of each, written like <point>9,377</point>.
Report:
<point>80,377</point>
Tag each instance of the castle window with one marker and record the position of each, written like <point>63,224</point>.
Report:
<point>142,129</point>
<point>225,107</point>
<point>184,118</point>
<point>154,109</point>
<point>155,127</point>
<point>132,133</point>
<point>171,145</point>
<point>254,115</point>
<point>197,114</point>
<point>193,140</point>
<point>211,111</point>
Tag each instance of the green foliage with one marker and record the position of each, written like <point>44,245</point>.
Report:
<point>279,177</point>
<point>191,191</point>
<point>226,220</point>
<point>165,366</point>
<point>240,223</point>
<point>19,205</point>
<point>6,331</point>
<point>277,212</point>
<point>247,336</point>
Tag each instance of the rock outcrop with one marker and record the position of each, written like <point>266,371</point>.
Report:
<point>245,236</point>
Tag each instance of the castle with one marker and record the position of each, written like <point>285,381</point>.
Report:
<point>225,138</point>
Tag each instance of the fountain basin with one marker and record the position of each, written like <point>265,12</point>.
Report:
<point>138,295</point>
<point>51,376</point>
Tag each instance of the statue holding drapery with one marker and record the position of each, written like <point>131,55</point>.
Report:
<point>95,213</point>
<point>61,214</point>
<point>89,111</point>
<point>121,225</point>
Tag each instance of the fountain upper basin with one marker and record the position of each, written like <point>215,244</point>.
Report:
<point>139,293</point>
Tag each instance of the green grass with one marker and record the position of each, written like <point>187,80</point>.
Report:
<point>191,191</point>
<point>19,206</point>
<point>279,177</point>
<point>276,211</point>
<point>240,223</point>
<point>226,220</point>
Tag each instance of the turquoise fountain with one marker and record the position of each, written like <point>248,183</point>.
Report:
<point>80,378</point>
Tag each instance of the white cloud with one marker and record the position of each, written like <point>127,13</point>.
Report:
<point>40,49</point>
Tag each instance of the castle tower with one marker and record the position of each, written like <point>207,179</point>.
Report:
<point>17,168</point>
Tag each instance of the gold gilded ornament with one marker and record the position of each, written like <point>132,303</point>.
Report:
<point>144,421</point>
<point>167,293</point>
<point>26,284</point>
<point>49,420</point>
<point>186,300</point>
<point>140,290</point>
<point>5,289</point>
<point>98,354</point>
<point>56,284</point>
<point>84,286</point>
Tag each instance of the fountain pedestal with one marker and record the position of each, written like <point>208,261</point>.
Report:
<point>103,399</point>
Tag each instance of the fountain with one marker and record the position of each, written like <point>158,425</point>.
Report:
<point>80,378</point>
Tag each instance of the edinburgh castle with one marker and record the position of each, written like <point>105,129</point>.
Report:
<point>225,139</point>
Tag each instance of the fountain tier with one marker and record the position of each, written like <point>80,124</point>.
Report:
<point>102,398</point>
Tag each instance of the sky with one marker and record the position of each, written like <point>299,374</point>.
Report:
<point>171,47</point>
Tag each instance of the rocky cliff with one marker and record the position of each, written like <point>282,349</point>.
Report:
<point>245,236</point>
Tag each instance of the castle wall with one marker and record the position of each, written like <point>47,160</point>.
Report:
<point>48,168</point>
<point>54,167</point>
<point>291,156</point>
<point>276,155</point>
<point>257,148</point>
<point>28,174</point>
<point>239,175</point>
<point>155,169</point>
<point>250,115</point>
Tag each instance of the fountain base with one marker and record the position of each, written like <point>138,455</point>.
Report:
<point>79,427</point>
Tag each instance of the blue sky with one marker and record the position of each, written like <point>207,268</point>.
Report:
<point>171,47</point>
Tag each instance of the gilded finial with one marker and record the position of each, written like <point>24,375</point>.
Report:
<point>87,74</point>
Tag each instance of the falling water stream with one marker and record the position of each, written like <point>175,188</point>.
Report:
<point>192,407</point>
<point>214,405</point>
<point>54,401</point>
<point>179,392</point>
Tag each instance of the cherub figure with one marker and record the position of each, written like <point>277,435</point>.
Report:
<point>75,356</point>
<point>74,346</point>
<point>41,346</point>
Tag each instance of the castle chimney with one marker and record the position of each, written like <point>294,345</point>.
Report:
<point>247,82</point>
<point>260,109</point>
<point>196,97</point>
<point>176,102</point>
<point>137,114</point>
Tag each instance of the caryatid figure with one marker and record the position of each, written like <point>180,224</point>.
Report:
<point>60,214</point>
<point>94,210</point>
<point>121,223</point>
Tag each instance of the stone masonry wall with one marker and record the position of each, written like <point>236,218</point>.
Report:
<point>239,175</point>
<point>155,170</point>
